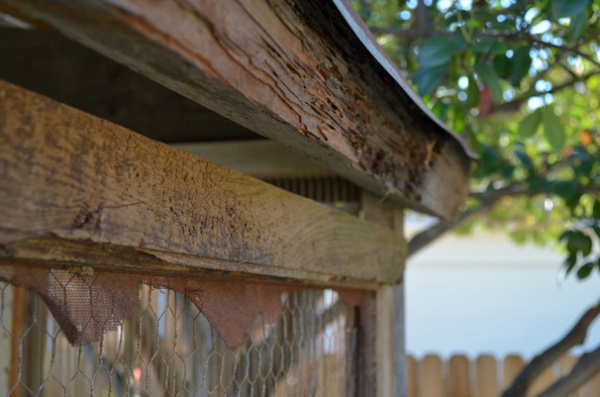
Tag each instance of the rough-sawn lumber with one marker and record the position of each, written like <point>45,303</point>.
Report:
<point>77,189</point>
<point>291,70</point>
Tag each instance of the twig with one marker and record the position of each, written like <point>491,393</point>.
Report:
<point>519,190</point>
<point>516,103</point>
<point>573,50</point>
<point>422,239</point>
<point>412,33</point>
<point>587,366</point>
<point>532,371</point>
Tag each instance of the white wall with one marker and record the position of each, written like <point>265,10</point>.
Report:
<point>484,294</point>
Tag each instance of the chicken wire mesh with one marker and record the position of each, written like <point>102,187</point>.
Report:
<point>170,349</point>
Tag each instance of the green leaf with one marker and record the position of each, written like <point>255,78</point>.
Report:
<point>526,161</point>
<point>436,51</point>
<point>567,8</point>
<point>553,128</point>
<point>529,125</point>
<point>520,64</point>
<point>440,109</point>
<point>585,270</point>
<point>489,47</point>
<point>569,263</point>
<point>472,93</point>
<point>489,77</point>
<point>596,210</point>
<point>577,241</point>
<point>426,79</point>
<point>568,190</point>
<point>503,66</point>
<point>577,26</point>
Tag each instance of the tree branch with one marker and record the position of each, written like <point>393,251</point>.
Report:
<point>424,238</point>
<point>488,200</point>
<point>515,104</point>
<point>574,50</point>
<point>518,189</point>
<point>419,32</point>
<point>587,366</point>
<point>574,337</point>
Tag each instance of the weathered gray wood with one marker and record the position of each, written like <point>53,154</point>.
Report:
<point>388,352</point>
<point>291,70</point>
<point>68,176</point>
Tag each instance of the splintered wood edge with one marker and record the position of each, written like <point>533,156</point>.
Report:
<point>296,73</point>
<point>69,176</point>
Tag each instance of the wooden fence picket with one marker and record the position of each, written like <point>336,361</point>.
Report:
<point>459,377</point>
<point>484,376</point>
<point>513,364</point>
<point>411,377</point>
<point>431,377</point>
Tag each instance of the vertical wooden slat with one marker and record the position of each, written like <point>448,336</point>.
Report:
<point>390,377</point>
<point>400,318</point>
<point>431,377</point>
<point>399,332</point>
<point>18,321</point>
<point>6,337</point>
<point>411,377</point>
<point>459,378</point>
<point>486,376</point>
<point>367,349</point>
<point>384,344</point>
<point>513,364</point>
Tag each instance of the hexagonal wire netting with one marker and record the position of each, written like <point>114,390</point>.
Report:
<point>170,349</point>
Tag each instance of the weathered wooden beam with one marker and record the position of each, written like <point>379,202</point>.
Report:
<point>292,70</point>
<point>102,195</point>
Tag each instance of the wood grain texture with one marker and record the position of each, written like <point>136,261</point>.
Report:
<point>390,352</point>
<point>70,176</point>
<point>291,70</point>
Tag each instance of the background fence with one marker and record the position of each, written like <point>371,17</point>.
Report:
<point>484,376</point>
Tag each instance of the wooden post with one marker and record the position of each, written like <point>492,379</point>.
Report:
<point>388,354</point>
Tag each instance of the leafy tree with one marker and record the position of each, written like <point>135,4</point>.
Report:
<point>520,80</point>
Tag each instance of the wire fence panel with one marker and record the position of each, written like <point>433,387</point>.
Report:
<point>170,349</point>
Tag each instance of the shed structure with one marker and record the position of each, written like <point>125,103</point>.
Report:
<point>205,198</point>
